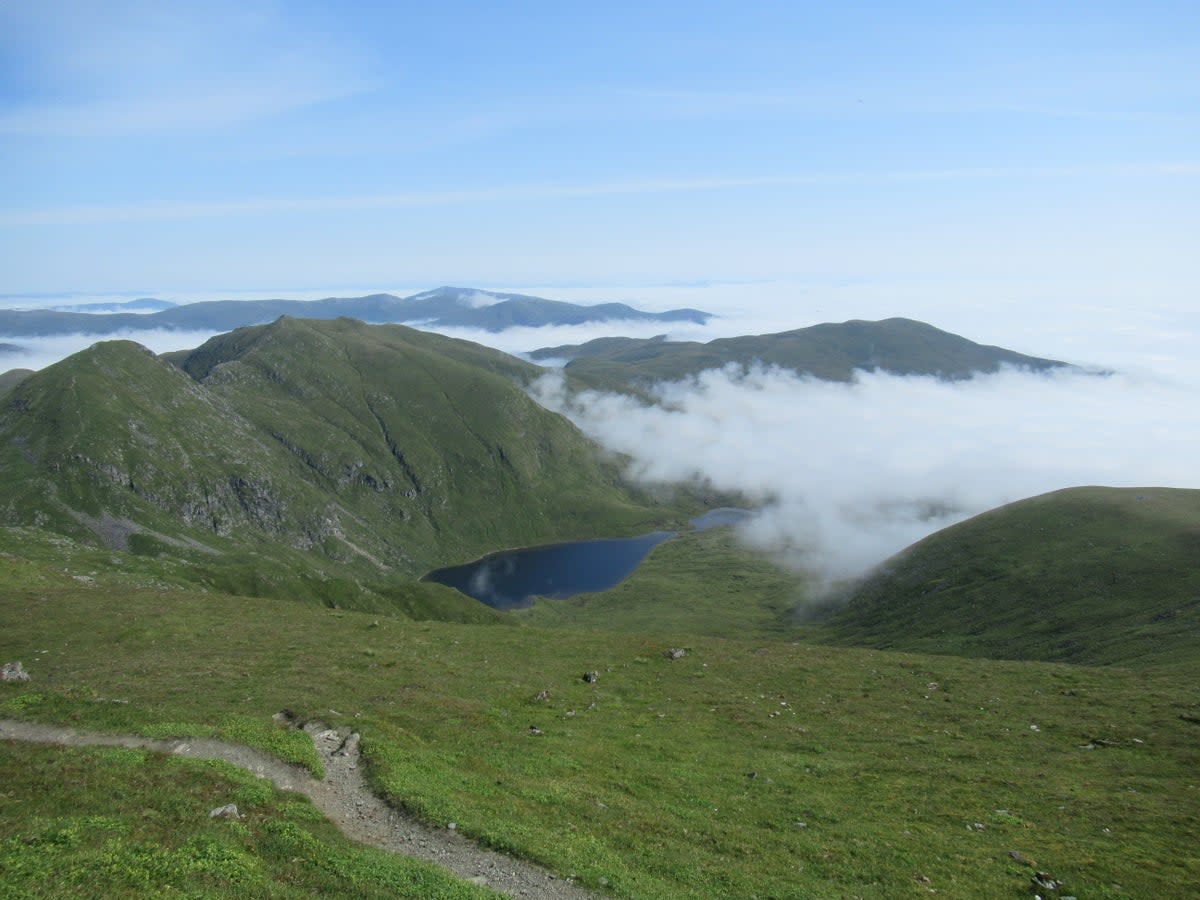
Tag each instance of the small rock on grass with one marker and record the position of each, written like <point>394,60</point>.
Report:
<point>675,653</point>
<point>1043,882</point>
<point>228,811</point>
<point>13,671</point>
<point>590,677</point>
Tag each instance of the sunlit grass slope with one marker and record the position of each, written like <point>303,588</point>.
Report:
<point>1087,575</point>
<point>744,768</point>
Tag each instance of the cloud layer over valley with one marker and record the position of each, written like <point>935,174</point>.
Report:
<point>37,353</point>
<point>849,474</point>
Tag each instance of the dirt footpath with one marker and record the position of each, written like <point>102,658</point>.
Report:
<point>343,796</point>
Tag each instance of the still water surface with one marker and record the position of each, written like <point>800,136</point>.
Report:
<point>512,578</point>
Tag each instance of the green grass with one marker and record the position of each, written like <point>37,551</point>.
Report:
<point>1088,575</point>
<point>746,768</point>
<point>699,583</point>
<point>126,823</point>
<point>275,572</point>
<point>11,378</point>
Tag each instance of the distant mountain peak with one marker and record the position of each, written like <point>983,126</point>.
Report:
<point>445,306</point>
<point>470,298</point>
<point>830,351</point>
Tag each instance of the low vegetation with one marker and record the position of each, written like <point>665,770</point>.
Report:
<point>126,823</point>
<point>11,378</point>
<point>743,768</point>
<point>1086,575</point>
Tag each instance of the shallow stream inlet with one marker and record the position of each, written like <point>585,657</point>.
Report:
<point>510,579</point>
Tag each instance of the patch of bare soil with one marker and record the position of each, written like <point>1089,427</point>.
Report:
<point>344,797</point>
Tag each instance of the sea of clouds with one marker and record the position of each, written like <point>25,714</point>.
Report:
<point>848,474</point>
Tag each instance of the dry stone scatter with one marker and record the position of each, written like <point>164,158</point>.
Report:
<point>13,671</point>
<point>344,797</point>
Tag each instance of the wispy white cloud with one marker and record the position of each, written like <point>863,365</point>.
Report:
<point>849,474</point>
<point>37,353</point>
<point>131,68</point>
<point>215,104</point>
<point>92,215</point>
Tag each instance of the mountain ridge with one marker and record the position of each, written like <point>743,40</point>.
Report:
<point>831,351</point>
<point>445,306</point>
<point>319,445</point>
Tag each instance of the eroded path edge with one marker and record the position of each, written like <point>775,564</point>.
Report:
<point>344,797</point>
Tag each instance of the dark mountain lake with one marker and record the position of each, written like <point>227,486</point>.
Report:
<point>511,579</point>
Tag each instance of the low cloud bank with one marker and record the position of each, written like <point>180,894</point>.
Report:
<point>521,340</point>
<point>849,474</point>
<point>39,352</point>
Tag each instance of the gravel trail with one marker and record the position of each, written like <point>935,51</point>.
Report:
<point>344,797</point>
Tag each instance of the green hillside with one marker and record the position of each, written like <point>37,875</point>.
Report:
<point>1085,575</point>
<point>331,450</point>
<point>745,768</point>
<point>11,378</point>
<point>110,822</point>
<point>831,352</point>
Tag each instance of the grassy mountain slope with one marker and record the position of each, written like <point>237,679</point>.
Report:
<point>744,768</point>
<point>445,306</point>
<point>830,352</point>
<point>11,378</point>
<point>1085,575</point>
<point>417,429</point>
<point>347,450</point>
<point>125,823</point>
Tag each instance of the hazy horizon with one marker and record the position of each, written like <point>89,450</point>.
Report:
<point>1046,154</point>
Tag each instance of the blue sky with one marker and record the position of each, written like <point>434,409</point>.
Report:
<point>1043,152</point>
